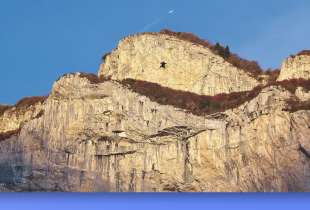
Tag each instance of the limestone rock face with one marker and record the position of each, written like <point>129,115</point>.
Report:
<point>104,137</point>
<point>93,135</point>
<point>13,117</point>
<point>296,67</point>
<point>174,63</point>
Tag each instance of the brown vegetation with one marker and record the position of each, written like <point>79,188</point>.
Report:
<point>92,78</point>
<point>187,37</point>
<point>292,84</point>
<point>105,56</point>
<point>24,103</point>
<point>304,52</point>
<point>29,101</point>
<point>273,74</point>
<point>296,105</point>
<point>196,104</point>
<point>201,104</point>
<point>8,134</point>
<point>3,108</point>
<point>251,67</point>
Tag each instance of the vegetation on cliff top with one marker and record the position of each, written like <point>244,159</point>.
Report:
<point>251,67</point>
<point>3,108</point>
<point>23,104</point>
<point>292,84</point>
<point>20,107</point>
<point>303,52</point>
<point>29,101</point>
<point>194,103</point>
<point>201,104</point>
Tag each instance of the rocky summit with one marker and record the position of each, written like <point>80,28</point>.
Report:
<point>167,112</point>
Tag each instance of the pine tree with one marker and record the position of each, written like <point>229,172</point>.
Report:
<point>226,53</point>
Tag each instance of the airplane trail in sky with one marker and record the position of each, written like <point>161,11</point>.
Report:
<point>156,21</point>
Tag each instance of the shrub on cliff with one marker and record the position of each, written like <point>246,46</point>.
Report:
<point>187,37</point>
<point>273,74</point>
<point>3,108</point>
<point>292,84</point>
<point>304,52</point>
<point>224,52</point>
<point>92,78</point>
<point>196,104</point>
<point>29,101</point>
<point>251,67</point>
<point>105,56</point>
<point>201,104</point>
<point>295,105</point>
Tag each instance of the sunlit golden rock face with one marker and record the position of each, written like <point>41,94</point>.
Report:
<point>92,134</point>
<point>296,67</point>
<point>174,63</point>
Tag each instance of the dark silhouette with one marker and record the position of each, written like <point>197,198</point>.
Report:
<point>251,67</point>
<point>226,53</point>
<point>304,151</point>
<point>163,65</point>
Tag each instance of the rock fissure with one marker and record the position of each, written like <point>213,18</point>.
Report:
<point>167,113</point>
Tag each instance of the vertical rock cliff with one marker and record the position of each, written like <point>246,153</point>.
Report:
<point>174,63</point>
<point>166,130</point>
<point>295,67</point>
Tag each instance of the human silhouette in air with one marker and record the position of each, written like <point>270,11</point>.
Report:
<point>163,64</point>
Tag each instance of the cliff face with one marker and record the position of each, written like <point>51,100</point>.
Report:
<point>95,135</point>
<point>13,117</point>
<point>296,67</point>
<point>174,63</point>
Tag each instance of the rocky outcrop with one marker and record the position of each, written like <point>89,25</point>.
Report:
<point>296,67</point>
<point>104,137</point>
<point>174,63</point>
<point>147,129</point>
<point>12,117</point>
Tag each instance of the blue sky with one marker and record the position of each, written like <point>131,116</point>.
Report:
<point>42,39</point>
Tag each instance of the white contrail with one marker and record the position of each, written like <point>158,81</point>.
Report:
<point>156,21</point>
<point>171,11</point>
<point>147,26</point>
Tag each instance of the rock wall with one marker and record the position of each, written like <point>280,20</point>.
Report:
<point>13,117</point>
<point>174,63</point>
<point>104,137</point>
<point>295,67</point>
<point>99,135</point>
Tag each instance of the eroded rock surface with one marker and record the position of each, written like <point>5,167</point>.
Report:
<point>295,67</point>
<point>104,137</point>
<point>174,63</point>
<point>91,134</point>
